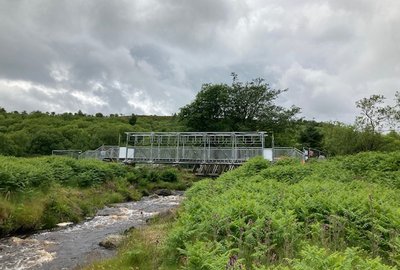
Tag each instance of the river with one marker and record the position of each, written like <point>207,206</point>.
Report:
<point>77,245</point>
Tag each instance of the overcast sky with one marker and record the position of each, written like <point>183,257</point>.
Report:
<point>152,56</point>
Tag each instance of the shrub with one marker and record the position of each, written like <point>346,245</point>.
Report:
<point>169,175</point>
<point>9,183</point>
<point>153,176</point>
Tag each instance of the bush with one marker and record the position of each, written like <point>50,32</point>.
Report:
<point>169,175</point>
<point>20,174</point>
<point>9,183</point>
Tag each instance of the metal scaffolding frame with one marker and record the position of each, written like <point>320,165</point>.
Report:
<point>208,153</point>
<point>195,147</point>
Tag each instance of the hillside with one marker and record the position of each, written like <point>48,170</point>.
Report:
<point>37,133</point>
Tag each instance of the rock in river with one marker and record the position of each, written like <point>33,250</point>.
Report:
<point>112,241</point>
<point>163,192</point>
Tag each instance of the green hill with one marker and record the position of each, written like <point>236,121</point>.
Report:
<point>39,133</point>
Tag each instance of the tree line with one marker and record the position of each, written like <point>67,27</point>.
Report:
<point>239,106</point>
<point>38,133</point>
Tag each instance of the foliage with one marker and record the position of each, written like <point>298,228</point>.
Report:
<point>38,133</point>
<point>311,136</point>
<point>340,139</point>
<point>396,108</point>
<point>241,106</point>
<point>142,249</point>
<point>372,113</point>
<point>132,120</point>
<point>21,174</point>
<point>375,115</point>
<point>312,257</point>
<point>338,214</point>
<point>38,193</point>
<point>209,110</point>
<point>170,175</point>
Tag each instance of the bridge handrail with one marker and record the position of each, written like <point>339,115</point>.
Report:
<point>288,151</point>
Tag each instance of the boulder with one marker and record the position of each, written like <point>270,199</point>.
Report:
<point>163,192</point>
<point>112,241</point>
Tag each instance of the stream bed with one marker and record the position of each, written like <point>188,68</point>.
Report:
<point>77,245</point>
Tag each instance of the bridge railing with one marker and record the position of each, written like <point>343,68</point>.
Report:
<point>281,152</point>
<point>67,153</point>
<point>188,154</point>
<point>195,154</point>
<point>104,152</point>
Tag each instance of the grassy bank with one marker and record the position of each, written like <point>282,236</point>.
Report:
<point>37,193</point>
<point>143,248</point>
<point>336,214</point>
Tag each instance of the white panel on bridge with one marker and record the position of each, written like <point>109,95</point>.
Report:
<point>267,154</point>
<point>123,154</point>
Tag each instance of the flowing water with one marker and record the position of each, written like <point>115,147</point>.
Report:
<point>77,245</point>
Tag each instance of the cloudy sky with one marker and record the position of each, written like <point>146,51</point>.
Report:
<point>152,56</point>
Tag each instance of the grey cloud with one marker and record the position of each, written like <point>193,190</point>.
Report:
<point>151,56</point>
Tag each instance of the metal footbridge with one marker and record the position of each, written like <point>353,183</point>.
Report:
<point>209,152</point>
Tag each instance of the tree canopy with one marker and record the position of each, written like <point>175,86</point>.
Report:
<point>377,115</point>
<point>237,107</point>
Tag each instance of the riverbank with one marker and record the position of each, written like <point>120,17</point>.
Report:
<point>78,245</point>
<point>143,247</point>
<point>38,193</point>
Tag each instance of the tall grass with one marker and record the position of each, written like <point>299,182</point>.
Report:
<point>142,249</point>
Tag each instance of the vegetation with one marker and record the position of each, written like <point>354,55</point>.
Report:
<point>340,139</point>
<point>344,210</point>
<point>143,248</point>
<point>37,193</point>
<point>239,107</point>
<point>37,133</point>
<point>334,214</point>
<point>338,214</point>
<point>375,115</point>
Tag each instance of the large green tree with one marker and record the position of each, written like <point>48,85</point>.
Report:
<point>209,110</point>
<point>237,107</point>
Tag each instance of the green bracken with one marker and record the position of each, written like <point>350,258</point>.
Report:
<point>338,214</point>
<point>342,213</point>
